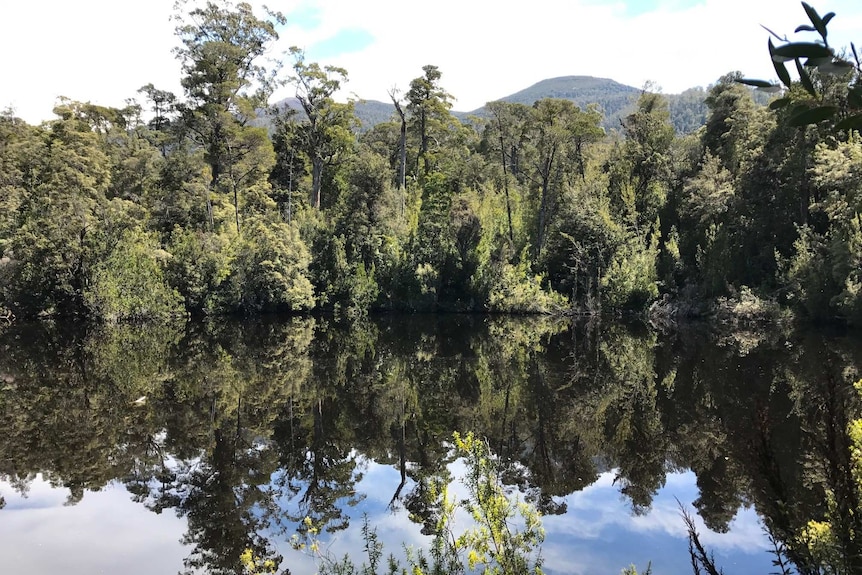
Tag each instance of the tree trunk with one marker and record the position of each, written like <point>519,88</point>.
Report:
<point>402,143</point>
<point>506,182</point>
<point>402,157</point>
<point>236,207</point>
<point>543,209</point>
<point>316,177</point>
<point>423,143</point>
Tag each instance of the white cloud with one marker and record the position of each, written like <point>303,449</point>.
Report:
<point>104,533</point>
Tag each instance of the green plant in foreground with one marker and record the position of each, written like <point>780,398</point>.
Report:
<point>505,536</point>
<point>845,112</point>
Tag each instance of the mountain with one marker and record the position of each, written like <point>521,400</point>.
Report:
<point>369,112</point>
<point>612,97</point>
<point>687,110</point>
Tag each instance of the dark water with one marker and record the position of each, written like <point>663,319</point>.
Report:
<point>180,448</point>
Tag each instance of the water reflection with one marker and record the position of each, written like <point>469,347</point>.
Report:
<point>243,429</point>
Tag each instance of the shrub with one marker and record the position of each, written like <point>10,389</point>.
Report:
<point>130,284</point>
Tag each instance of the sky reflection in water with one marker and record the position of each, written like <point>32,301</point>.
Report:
<point>107,532</point>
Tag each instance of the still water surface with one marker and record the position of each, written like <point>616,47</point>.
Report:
<point>178,448</point>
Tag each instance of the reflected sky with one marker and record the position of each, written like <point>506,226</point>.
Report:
<point>109,533</point>
<point>106,532</point>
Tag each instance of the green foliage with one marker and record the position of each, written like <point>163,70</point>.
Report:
<point>61,232</point>
<point>325,136</point>
<point>640,168</point>
<point>130,283</point>
<point>429,212</point>
<point>222,46</point>
<point>734,132</point>
<point>428,105</point>
<point>344,285</point>
<point>687,110</point>
<point>630,280</point>
<point>517,291</point>
<point>582,245</point>
<point>848,263</point>
<point>270,270</point>
<point>808,275</point>
<point>815,63</point>
<point>371,209</point>
<point>493,543</point>
<point>200,264</point>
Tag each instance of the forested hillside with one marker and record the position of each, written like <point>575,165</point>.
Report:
<point>614,100</point>
<point>184,203</point>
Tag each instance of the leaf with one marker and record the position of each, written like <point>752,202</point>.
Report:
<point>815,19</point>
<point>798,109</point>
<point>812,62</point>
<point>779,103</point>
<point>803,50</point>
<point>755,83</point>
<point>812,116</point>
<point>805,28</point>
<point>836,68</point>
<point>780,68</point>
<point>850,123</point>
<point>805,79</point>
<point>828,18</point>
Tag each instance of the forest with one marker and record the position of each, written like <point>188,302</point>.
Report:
<point>215,202</point>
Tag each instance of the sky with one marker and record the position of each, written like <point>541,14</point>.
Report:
<point>103,51</point>
<point>107,532</point>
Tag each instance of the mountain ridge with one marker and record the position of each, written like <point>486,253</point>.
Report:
<point>616,100</point>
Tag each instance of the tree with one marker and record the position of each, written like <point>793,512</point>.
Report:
<point>129,283</point>
<point>62,220</point>
<point>226,84</point>
<point>326,133</point>
<point>402,140</point>
<point>551,134</point>
<point>732,117</point>
<point>586,129</point>
<point>640,169</point>
<point>506,132</point>
<point>429,106</point>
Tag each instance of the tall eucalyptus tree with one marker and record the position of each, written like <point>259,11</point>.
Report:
<point>226,83</point>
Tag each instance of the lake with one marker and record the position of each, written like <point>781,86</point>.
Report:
<point>186,447</point>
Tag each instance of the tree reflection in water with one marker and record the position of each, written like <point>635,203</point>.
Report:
<point>247,428</point>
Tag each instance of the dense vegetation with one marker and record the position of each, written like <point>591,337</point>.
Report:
<point>185,204</point>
